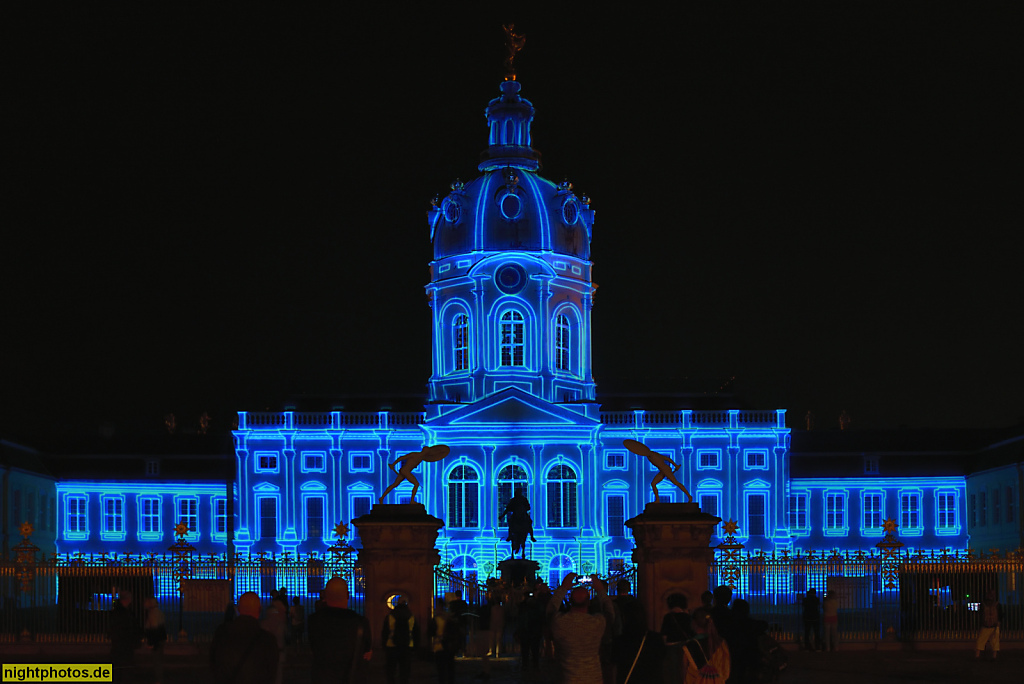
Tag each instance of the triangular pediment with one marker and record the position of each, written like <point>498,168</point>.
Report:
<point>513,406</point>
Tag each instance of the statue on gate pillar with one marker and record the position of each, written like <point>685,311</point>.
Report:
<point>429,454</point>
<point>659,461</point>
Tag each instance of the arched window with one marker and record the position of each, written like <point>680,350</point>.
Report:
<point>465,566</point>
<point>511,480</point>
<point>512,339</point>
<point>562,497</point>
<point>460,341</point>
<point>562,343</point>
<point>463,497</point>
<point>561,566</point>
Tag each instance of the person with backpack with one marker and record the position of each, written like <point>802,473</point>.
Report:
<point>400,637</point>
<point>706,656</point>
<point>991,616</point>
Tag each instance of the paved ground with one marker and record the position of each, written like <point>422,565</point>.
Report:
<point>949,663</point>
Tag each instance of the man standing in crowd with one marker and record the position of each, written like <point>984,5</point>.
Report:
<point>243,652</point>
<point>577,634</point>
<point>339,638</point>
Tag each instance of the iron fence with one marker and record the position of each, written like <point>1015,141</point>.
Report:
<point>69,598</point>
<point>882,595</point>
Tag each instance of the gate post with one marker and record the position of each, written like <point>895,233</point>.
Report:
<point>673,553</point>
<point>398,557</point>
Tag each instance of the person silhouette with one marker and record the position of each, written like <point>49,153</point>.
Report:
<point>429,454</point>
<point>659,461</point>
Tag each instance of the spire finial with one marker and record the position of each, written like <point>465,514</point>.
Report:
<point>514,42</point>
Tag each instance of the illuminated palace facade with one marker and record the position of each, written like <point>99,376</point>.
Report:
<point>512,393</point>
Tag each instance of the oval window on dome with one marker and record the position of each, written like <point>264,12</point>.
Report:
<point>452,210</point>
<point>570,211</point>
<point>510,204</point>
<point>510,278</point>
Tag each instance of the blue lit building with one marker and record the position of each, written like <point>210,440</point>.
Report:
<point>512,392</point>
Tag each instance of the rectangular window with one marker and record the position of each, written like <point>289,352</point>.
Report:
<point>871,465</point>
<point>30,508</point>
<point>974,511</point>
<point>313,461</point>
<point>360,507</point>
<point>616,566</point>
<point>113,515</point>
<point>946,510</point>
<point>268,517</point>
<point>1009,505</point>
<point>757,460</point>
<point>996,518</point>
<point>266,461</point>
<point>982,509</point>
<point>188,513</point>
<point>872,512</point>
<point>615,460</point>
<point>910,511</point>
<point>616,515</point>
<point>798,512</point>
<point>149,517</point>
<point>44,499</point>
<point>77,517</point>
<point>835,512</point>
<point>756,515</point>
<point>152,466</point>
<point>708,504</point>
<point>360,461</point>
<point>708,459</point>
<point>220,516</point>
<point>314,518</point>
<point>16,507</point>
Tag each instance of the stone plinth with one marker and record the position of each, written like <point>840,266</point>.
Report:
<point>516,571</point>
<point>398,557</point>
<point>673,552</point>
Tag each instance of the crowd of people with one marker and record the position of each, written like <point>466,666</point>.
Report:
<point>588,635</point>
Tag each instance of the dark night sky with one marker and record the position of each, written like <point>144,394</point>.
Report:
<point>224,211</point>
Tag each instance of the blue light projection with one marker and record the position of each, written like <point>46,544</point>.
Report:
<point>512,393</point>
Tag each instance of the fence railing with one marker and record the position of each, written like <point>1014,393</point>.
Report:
<point>919,597</point>
<point>68,598</point>
<point>881,595</point>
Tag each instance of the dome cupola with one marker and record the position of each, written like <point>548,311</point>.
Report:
<point>509,144</point>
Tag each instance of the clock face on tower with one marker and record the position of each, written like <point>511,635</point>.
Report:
<point>510,278</point>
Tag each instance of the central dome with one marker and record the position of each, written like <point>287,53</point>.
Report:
<point>510,207</point>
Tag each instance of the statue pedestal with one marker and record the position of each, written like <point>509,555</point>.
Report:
<point>516,571</point>
<point>673,553</point>
<point>398,557</point>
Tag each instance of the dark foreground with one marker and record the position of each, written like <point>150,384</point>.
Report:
<point>942,663</point>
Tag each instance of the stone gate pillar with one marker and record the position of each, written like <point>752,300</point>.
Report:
<point>673,553</point>
<point>398,557</point>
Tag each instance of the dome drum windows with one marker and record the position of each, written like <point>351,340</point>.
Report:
<point>460,342</point>
<point>512,337</point>
<point>562,343</point>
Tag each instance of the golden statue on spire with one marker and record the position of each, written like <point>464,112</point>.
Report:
<point>514,42</point>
